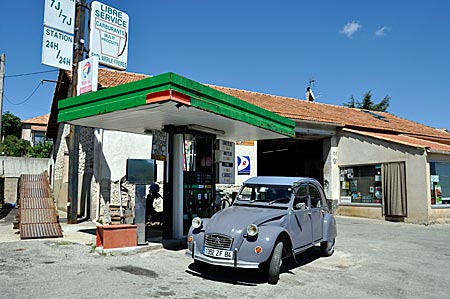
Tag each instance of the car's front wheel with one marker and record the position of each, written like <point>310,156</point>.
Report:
<point>275,263</point>
<point>327,247</point>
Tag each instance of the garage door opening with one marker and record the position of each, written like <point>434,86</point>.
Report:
<point>291,157</point>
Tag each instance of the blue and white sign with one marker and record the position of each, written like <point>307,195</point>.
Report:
<point>243,165</point>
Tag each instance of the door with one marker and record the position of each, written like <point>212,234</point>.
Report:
<point>316,213</point>
<point>394,190</point>
<point>300,220</point>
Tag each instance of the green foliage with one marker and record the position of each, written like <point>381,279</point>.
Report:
<point>15,147</point>
<point>11,125</point>
<point>368,104</point>
<point>41,150</point>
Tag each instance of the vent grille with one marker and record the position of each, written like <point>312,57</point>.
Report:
<point>218,241</point>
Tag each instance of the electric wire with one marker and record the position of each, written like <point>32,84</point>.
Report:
<point>29,74</point>
<point>27,99</point>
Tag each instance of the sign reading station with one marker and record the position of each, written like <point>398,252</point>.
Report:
<point>57,49</point>
<point>109,35</point>
<point>57,44</point>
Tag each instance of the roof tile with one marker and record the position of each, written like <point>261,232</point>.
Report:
<point>302,110</point>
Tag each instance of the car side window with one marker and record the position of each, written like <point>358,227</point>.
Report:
<point>314,194</point>
<point>301,196</point>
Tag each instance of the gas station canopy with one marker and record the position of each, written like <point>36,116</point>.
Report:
<point>169,99</point>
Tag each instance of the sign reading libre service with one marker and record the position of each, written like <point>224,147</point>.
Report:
<point>109,35</point>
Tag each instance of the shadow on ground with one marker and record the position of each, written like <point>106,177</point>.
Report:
<point>250,277</point>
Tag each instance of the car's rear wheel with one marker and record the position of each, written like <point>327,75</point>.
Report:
<point>275,263</point>
<point>327,247</point>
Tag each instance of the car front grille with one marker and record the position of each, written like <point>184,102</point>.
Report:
<point>218,241</point>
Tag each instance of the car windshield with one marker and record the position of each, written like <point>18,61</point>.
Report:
<point>266,194</point>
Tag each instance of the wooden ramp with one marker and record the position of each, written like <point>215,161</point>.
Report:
<point>38,217</point>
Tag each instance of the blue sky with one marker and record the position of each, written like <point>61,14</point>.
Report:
<point>396,48</point>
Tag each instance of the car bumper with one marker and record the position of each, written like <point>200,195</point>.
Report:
<point>234,262</point>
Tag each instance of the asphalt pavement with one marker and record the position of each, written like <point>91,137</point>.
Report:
<point>373,259</point>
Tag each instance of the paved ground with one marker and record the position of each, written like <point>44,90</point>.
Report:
<point>373,259</point>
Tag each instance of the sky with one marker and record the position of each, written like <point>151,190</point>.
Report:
<point>396,48</point>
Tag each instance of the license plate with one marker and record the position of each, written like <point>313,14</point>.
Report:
<point>218,253</point>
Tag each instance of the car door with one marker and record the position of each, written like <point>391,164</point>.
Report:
<point>300,220</point>
<point>315,212</point>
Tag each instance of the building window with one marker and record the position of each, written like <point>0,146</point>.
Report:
<point>38,137</point>
<point>361,184</point>
<point>440,183</point>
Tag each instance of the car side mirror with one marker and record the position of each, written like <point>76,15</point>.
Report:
<point>300,206</point>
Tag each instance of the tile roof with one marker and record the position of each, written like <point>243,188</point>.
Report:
<point>39,128</point>
<point>301,110</point>
<point>38,120</point>
<point>405,140</point>
<point>297,109</point>
<point>110,78</point>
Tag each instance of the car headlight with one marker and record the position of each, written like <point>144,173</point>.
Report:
<point>252,230</point>
<point>196,222</point>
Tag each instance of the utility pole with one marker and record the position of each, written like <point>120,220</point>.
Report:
<point>78,55</point>
<point>2,79</point>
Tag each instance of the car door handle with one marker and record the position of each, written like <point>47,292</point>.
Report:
<point>309,213</point>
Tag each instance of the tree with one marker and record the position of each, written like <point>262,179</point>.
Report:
<point>15,147</point>
<point>368,104</point>
<point>11,125</point>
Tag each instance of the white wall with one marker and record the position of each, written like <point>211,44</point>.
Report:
<point>120,146</point>
<point>15,166</point>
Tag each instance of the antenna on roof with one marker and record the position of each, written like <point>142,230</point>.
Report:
<point>309,93</point>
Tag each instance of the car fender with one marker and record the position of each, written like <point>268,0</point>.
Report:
<point>329,227</point>
<point>266,239</point>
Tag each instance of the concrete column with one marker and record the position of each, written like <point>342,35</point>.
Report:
<point>331,171</point>
<point>177,168</point>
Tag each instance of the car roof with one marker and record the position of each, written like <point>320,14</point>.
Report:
<point>277,180</point>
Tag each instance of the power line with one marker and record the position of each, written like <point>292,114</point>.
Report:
<point>28,98</point>
<point>30,74</point>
